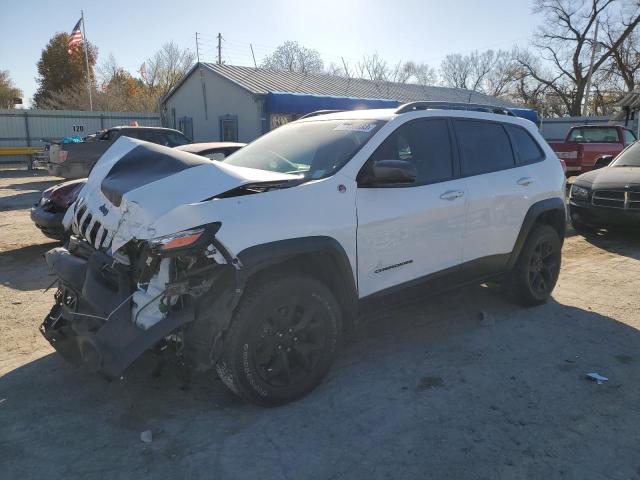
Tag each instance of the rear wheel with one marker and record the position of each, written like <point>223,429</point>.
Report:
<point>282,341</point>
<point>536,271</point>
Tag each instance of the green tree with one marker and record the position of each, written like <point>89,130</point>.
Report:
<point>8,91</point>
<point>59,70</point>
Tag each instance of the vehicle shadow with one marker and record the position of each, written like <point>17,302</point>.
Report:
<point>621,242</point>
<point>22,173</point>
<point>19,201</point>
<point>15,264</point>
<point>37,184</point>
<point>423,386</point>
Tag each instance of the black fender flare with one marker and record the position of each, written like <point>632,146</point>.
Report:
<point>550,205</point>
<point>342,281</point>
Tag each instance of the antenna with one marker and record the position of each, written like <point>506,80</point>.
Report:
<point>254,57</point>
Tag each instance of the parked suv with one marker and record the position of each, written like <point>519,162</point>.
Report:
<point>257,267</point>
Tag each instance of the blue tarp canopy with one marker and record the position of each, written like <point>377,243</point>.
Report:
<point>527,113</point>
<point>283,102</point>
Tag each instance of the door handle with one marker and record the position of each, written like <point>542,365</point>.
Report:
<point>452,195</point>
<point>524,181</point>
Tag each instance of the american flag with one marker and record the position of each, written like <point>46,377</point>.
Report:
<point>76,38</point>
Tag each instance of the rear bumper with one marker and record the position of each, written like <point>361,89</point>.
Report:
<point>50,223</point>
<point>602,216</point>
<point>91,320</point>
<point>68,170</point>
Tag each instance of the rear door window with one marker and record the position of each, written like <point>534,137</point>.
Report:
<point>171,139</point>
<point>146,135</point>
<point>526,148</point>
<point>484,147</point>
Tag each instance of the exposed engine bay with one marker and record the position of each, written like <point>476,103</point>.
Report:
<point>109,310</point>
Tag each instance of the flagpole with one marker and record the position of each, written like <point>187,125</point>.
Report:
<point>86,59</point>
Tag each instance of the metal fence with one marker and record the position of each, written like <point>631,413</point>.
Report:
<point>35,128</point>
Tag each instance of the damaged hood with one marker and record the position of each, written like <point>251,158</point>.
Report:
<point>135,183</point>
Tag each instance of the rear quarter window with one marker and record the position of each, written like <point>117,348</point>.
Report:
<point>527,150</point>
<point>484,147</point>
<point>629,137</point>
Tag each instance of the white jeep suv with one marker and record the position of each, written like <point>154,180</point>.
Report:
<point>254,265</point>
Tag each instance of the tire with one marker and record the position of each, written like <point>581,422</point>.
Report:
<point>536,271</point>
<point>282,340</point>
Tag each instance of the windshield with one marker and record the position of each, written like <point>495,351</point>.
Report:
<point>629,157</point>
<point>313,149</point>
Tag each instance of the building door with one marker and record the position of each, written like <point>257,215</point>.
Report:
<point>229,128</point>
<point>185,125</point>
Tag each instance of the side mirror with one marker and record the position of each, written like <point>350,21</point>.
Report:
<point>602,161</point>
<point>390,172</point>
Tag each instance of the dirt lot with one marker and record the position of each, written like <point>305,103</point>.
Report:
<point>425,390</point>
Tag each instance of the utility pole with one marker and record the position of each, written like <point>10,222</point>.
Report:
<point>219,49</point>
<point>594,48</point>
<point>86,59</point>
<point>204,89</point>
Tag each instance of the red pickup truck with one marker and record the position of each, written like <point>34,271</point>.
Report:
<point>584,144</point>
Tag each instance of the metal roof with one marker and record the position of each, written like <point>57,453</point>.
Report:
<point>260,81</point>
<point>631,100</point>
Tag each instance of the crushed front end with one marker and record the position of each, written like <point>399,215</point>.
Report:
<point>110,307</point>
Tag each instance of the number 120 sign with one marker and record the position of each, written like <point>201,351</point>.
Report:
<point>78,128</point>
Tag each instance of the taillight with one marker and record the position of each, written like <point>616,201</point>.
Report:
<point>564,165</point>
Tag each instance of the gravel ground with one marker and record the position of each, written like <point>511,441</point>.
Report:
<point>425,390</point>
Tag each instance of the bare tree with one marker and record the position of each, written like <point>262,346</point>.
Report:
<point>167,66</point>
<point>455,71</point>
<point>490,72</point>
<point>564,43</point>
<point>625,57</point>
<point>373,67</point>
<point>293,57</point>
<point>421,73</point>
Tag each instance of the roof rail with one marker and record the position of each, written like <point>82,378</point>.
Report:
<point>319,112</point>
<point>474,107</point>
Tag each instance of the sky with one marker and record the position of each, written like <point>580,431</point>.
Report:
<point>422,31</point>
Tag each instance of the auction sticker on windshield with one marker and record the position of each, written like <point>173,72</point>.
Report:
<point>356,126</point>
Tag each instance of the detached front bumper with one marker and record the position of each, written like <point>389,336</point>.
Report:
<point>91,319</point>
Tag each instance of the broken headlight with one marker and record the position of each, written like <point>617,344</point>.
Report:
<point>184,239</point>
<point>580,193</point>
<point>177,240</point>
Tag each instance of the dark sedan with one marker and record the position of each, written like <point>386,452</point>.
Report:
<point>48,213</point>
<point>610,196</point>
